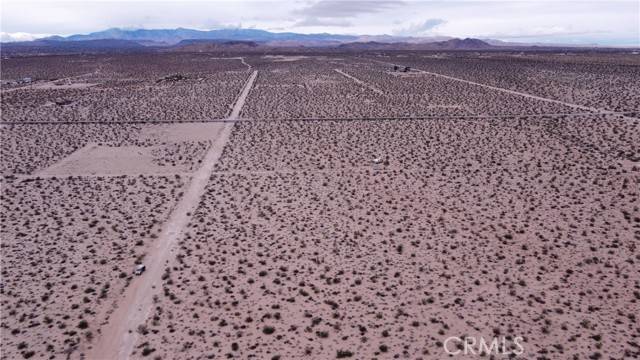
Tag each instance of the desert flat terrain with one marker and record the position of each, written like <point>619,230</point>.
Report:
<point>320,205</point>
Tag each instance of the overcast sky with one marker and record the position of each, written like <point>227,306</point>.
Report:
<point>603,22</point>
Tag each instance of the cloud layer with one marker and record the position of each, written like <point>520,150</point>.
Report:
<point>420,29</point>
<point>341,9</point>
<point>605,22</point>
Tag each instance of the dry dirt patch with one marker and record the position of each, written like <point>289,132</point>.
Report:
<point>284,57</point>
<point>96,159</point>
<point>156,149</point>
<point>63,85</point>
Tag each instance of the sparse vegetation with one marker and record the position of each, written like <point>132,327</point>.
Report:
<point>367,238</point>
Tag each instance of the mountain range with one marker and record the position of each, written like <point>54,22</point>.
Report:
<point>182,39</point>
<point>451,44</point>
<point>174,36</point>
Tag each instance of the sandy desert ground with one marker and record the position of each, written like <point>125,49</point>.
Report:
<point>321,206</point>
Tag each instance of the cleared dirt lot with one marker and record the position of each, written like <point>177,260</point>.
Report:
<point>68,149</point>
<point>336,208</point>
<point>107,160</point>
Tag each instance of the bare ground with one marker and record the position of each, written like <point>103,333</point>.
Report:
<point>119,335</point>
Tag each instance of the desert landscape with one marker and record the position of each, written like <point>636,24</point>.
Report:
<point>320,205</point>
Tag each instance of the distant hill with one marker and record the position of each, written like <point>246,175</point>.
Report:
<point>174,36</point>
<point>169,37</point>
<point>184,40</point>
<point>213,45</point>
<point>452,44</point>
<point>53,46</point>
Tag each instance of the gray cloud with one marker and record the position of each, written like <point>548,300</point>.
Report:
<point>335,13</point>
<point>314,21</point>
<point>616,22</point>
<point>419,28</point>
<point>20,36</point>
<point>345,9</point>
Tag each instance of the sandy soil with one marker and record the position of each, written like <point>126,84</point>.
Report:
<point>108,160</point>
<point>127,88</point>
<point>513,92</point>
<point>234,58</point>
<point>69,246</point>
<point>284,58</point>
<point>30,149</point>
<point>66,83</point>
<point>595,84</point>
<point>242,98</point>
<point>473,211</point>
<point>119,336</point>
<point>181,132</point>
<point>372,88</point>
<point>389,264</point>
<point>57,85</point>
<point>303,90</point>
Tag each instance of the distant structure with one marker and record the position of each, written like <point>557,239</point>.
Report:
<point>407,69</point>
<point>395,68</point>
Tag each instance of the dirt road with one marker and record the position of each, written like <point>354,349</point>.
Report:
<point>360,82</point>
<point>575,106</point>
<point>119,335</point>
<point>237,108</point>
<point>234,58</point>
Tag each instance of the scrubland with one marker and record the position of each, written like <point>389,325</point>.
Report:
<point>355,211</point>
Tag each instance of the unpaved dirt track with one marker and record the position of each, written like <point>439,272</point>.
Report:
<point>234,58</point>
<point>513,92</point>
<point>360,82</point>
<point>237,108</point>
<point>118,337</point>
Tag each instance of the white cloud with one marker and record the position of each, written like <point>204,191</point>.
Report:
<point>331,13</point>
<point>19,36</point>
<point>579,21</point>
<point>342,9</point>
<point>419,29</point>
<point>314,21</point>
